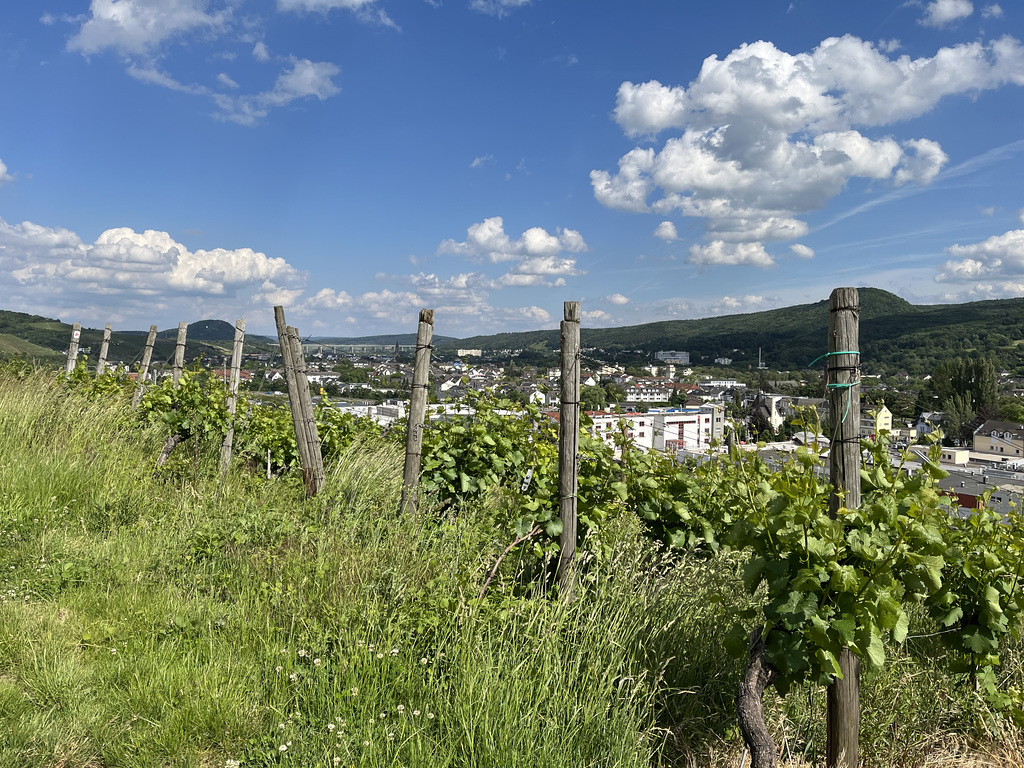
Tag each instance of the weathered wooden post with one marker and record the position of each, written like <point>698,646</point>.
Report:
<point>315,475</point>
<point>76,335</point>
<point>147,357</point>
<point>179,354</point>
<point>236,365</point>
<point>104,349</point>
<point>843,377</point>
<point>308,445</point>
<point>417,411</point>
<point>568,446</point>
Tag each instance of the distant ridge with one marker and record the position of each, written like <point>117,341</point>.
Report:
<point>895,335</point>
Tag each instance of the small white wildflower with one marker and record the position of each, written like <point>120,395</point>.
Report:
<point>423,660</point>
<point>289,743</point>
<point>366,743</point>
<point>283,748</point>
<point>394,651</point>
<point>278,669</point>
<point>330,726</point>
<point>316,662</point>
<point>430,715</point>
<point>415,713</point>
<point>280,726</point>
<point>383,715</point>
<point>371,649</point>
<point>302,653</point>
<point>380,655</point>
<point>355,691</point>
<point>391,737</point>
<point>293,677</point>
<point>230,763</point>
<point>401,708</point>
<point>336,760</point>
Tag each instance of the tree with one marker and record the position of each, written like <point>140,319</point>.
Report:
<point>593,399</point>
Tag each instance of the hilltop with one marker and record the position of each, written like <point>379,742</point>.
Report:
<point>895,335</point>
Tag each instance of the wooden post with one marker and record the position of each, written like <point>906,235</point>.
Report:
<point>568,446</point>
<point>843,377</point>
<point>314,476</point>
<point>300,421</point>
<point>236,365</point>
<point>417,411</point>
<point>104,349</point>
<point>76,335</point>
<point>147,357</point>
<point>179,353</point>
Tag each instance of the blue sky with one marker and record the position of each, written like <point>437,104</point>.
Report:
<point>356,160</point>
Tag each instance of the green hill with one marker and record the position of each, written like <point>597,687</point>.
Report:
<point>895,335</point>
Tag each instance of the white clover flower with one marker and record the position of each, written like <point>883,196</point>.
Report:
<point>316,662</point>
<point>280,726</point>
<point>302,653</point>
<point>283,748</point>
<point>330,726</point>
<point>415,713</point>
<point>278,669</point>
<point>394,651</point>
<point>370,649</point>
<point>383,715</point>
<point>423,660</point>
<point>380,655</point>
<point>430,715</point>
<point>401,708</point>
<point>336,760</point>
<point>366,743</point>
<point>391,737</point>
<point>293,677</point>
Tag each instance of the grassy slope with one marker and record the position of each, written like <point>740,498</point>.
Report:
<point>168,621</point>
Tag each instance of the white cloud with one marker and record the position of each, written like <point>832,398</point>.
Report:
<point>988,211</point>
<point>666,231</point>
<point>617,298</point>
<point>719,252</point>
<point>260,52</point>
<point>942,12</point>
<point>487,241</point>
<point>322,5</point>
<point>481,161</point>
<point>992,11</point>
<point>139,26</point>
<point>765,136</point>
<point>226,80</point>
<point>4,175</point>
<point>303,79</point>
<point>747,303</point>
<point>497,8</point>
<point>889,46</point>
<point>131,274</point>
<point>802,251</point>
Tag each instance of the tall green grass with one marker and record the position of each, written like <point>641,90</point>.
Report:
<point>168,619</point>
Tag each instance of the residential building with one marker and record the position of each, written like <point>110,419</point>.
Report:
<point>876,421</point>
<point>1000,438</point>
<point>672,356</point>
<point>691,429</point>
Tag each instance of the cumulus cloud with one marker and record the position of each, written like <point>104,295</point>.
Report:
<point>666,231</point>
<point>139,26</point>
<point>939,13</point>
<point>260,52</point>
<point>4,175</point>
<point>481,161</point>
<point>127,273</point>
<point>225,80</point>
<point>302,79</point>
<point>719,252</point>
<point>617,298</point>
<point>487,241</point>
<point>765,136</point>
<point>992,11</point>
<point>802,251</point>
<point>747,303</point>
<point>322,5</point>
